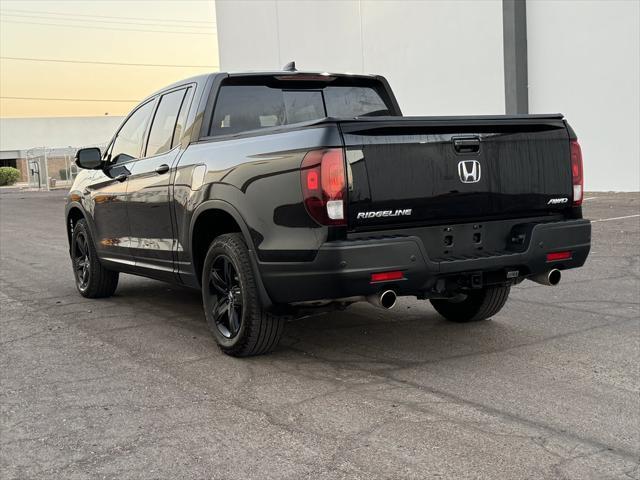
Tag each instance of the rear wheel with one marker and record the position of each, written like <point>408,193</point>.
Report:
<point>92,279</point>
<point>231,302</point>
<point>476,305</point>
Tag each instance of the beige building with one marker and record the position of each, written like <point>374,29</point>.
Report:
<point>45,147</point>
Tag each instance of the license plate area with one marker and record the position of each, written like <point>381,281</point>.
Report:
<point>463,240</point>
<point>468,241</point>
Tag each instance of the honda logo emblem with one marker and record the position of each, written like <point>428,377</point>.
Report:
<point>469,171</point>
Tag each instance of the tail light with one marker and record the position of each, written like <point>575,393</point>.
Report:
<point>577,173</point>
<point>323,178</point>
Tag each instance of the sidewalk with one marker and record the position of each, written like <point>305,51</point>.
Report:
<point>25,187</point>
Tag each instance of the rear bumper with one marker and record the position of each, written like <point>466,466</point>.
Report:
<point>343,268</point>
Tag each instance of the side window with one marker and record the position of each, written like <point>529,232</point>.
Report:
<point>182,118</point>
<point>106,155</point>
<point>164,123</point>
<point>128,142</point>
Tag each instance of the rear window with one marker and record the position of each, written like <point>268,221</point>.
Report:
<point>240,108</point>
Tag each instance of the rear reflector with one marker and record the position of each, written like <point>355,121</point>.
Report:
<point>577,173</point>
<point>555,256</point>
<point>386,276</point>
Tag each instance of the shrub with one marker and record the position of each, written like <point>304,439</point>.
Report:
<point>9,175</point>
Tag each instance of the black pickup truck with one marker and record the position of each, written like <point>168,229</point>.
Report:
<point>281,193</point>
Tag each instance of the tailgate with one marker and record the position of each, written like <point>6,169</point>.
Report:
<point>437,170</point>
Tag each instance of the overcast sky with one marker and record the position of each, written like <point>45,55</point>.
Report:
<point>170,32</point>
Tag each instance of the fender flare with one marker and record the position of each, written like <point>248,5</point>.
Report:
<point>244,229</point>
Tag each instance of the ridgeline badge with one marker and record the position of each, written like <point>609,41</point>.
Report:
<point>384,213</point>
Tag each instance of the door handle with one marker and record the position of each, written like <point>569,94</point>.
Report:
<point>164,168</point>
<point>466,145</point>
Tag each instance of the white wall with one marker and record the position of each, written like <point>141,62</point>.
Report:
<point>584,61</point>
<point>441,57</point>
<point>446,58</point>
<point>26,133</point>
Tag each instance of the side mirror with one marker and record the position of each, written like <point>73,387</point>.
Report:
<point>89,158</point>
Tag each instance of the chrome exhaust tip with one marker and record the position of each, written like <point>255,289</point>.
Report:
<point>550,278</point>
<point>386,299</point>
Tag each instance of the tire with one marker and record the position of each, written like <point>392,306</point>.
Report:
<point>478,305</point>
<point>92,279</point>
<point>232,307</point>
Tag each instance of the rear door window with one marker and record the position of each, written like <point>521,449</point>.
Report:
<point>241,108</point>
<point>164,123</point>
<point>182,118</point>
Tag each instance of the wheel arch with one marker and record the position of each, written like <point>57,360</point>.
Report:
<point>74,213</point>
<point>211,219</point>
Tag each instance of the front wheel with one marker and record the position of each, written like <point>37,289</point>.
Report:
<point>92,279</point>
<point>475,305</point>
<point>240,325</point>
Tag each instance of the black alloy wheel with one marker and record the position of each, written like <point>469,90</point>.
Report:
<point>231,299</point>
<point>226,290</point>
<point>81,261</point>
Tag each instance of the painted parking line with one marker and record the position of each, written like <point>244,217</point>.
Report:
<point>589,198</point>
<point>614,218</point>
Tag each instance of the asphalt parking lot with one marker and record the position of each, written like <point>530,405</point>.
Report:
<point>134,386</point>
